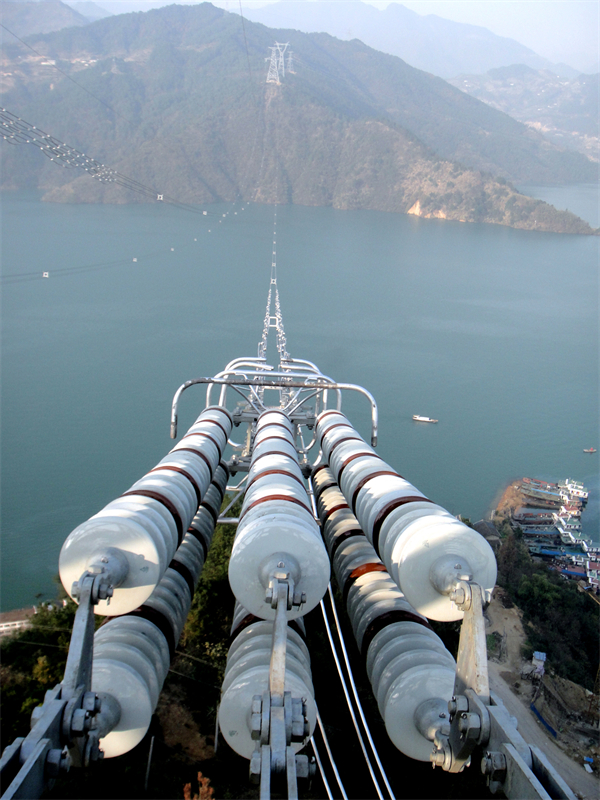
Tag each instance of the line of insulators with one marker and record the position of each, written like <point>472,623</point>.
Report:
<point>148,523</point>
<point>276,524</point>
<point>277,533</point>
<point>132,653</point>
<point>425,549</point>
<point>17,131</point>
<point>247,675</point>
<point>411,672</point>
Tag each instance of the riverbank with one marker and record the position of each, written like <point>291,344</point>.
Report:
<point>16,615</point>
<point>507,503</point>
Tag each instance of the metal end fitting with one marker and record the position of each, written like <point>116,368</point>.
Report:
<point>299,598</point>
<point>256,718</point>
<point>255,765</point>
<point>441,755</point>
<point>36,715</point>
<point>493,766</point>
<point>91,702</point>
<point>81,722</point>
<point>457,705</point>
<point>305,768</point>
<point>57,762</point>
<point>461,595</point>
<point>92,750</point>
<point>300,724</point>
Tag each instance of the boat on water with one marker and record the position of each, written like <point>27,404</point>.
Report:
<point>567,523</point>
<point>546,494</point>
<point>574,489</point>
<point>589,450</point>
<point>419,418</point>
<point>540,497</point>
<point>571,509</point>
<point>534,483</point>
<point>524,516</point>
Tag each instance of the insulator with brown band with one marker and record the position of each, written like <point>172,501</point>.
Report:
<point>276,525</point>
<point>411,672</point>
<point>132,653</point>
<point>425,548</point>
<point>247,675</point>
<point>149,521</point>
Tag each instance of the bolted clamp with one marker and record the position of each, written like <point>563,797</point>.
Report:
<point>108,572</point>
<point>442,752</point>
<point>101,588</point>
<point>79,715</point>
<point>281,575</point>
<point>57,762</point>
<point>300,724</point>
<point>462,595</point>
<point>469,727</point>
<point>493,766</point>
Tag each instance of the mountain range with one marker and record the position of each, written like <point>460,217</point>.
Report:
<point>25,18</point>
<point>189,112</point>
<point>565,110</point>
<point>431,43</point>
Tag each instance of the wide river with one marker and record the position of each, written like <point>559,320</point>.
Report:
<point>492,331</point>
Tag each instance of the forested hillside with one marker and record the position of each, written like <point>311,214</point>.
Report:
<point>190,113</point>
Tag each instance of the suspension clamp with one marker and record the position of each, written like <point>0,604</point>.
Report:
<point>469,727</point>
<point>295,598</point>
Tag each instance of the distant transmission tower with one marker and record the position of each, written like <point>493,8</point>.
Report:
<point>273,74</point>
<point>290,63</point>
<point>276,63</point>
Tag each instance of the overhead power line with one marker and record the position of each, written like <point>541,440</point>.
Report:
<point>16,131</point>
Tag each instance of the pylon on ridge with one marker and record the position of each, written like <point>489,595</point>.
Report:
<point>276,62</point>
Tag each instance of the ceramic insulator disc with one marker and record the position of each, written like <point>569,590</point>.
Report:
<point>94,537</point>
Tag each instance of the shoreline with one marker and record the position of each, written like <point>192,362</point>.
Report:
<point>497,500</point>
<point>16,615</point>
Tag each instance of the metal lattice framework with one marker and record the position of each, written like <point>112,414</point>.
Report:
<point>290,63</point>
<point>277,62</point>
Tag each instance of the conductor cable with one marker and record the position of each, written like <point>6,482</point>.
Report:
<point>331,758</point>
<point>320,766</point>
<point>349,704</point>
<point>355,693</point>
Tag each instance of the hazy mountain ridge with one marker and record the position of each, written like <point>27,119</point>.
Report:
<point>90,10</point>
<point>27,18</point>
<point>565,110</point>
<point>430,42</point>
<point>331,134</point>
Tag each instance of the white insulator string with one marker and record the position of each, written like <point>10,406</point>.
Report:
<point>331,758</point>
<point>23,132</point>
<point>320,766</point>
<point>355,693</point>
<point>349,704</point>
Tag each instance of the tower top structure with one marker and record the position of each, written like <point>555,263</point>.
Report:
<point>277,62</point>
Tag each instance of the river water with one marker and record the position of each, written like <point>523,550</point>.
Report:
<point>492,331</point>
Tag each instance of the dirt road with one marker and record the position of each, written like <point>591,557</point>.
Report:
<point>503,675</point>
<point>584,785</point>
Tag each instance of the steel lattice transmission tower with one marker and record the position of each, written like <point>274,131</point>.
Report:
<point>276,62</point>
<point>290,63</point>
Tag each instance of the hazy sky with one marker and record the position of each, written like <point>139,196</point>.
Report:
<point>560,30</point>
<point>557,30</point>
